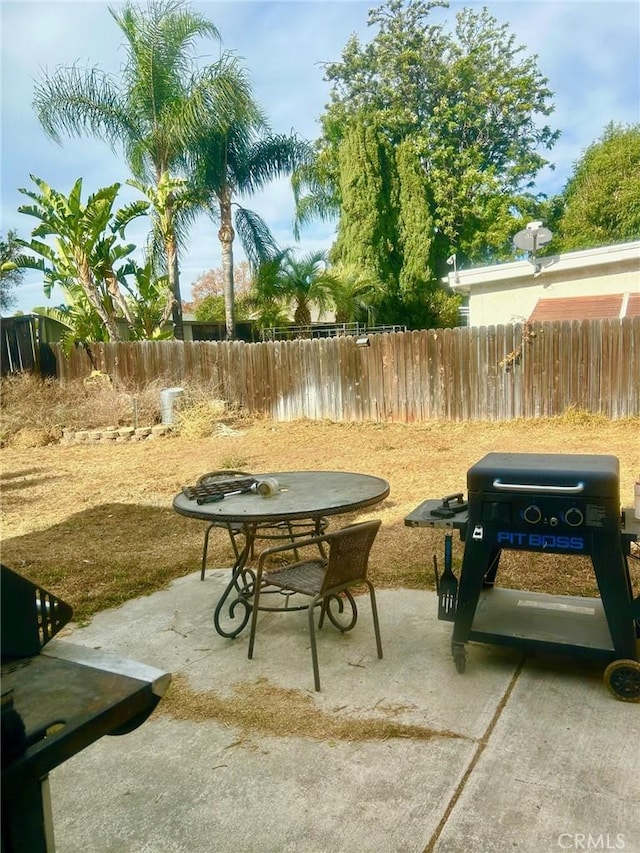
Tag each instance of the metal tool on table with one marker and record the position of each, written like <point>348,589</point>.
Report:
<point>207,493</point>
<point>204,493</point>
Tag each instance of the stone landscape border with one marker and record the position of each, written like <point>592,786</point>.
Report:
<point>115,434</point>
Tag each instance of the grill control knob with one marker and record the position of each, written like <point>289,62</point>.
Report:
<point>573,517</point>
<point>533,514</point>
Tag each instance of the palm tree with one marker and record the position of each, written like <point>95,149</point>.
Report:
<point>240,160</point>
<point>172,205</point>
<point>86,250</point>
<point>160,105</point>
<point>298,284</point>
<point>314,192</point>
<point>355,293</point>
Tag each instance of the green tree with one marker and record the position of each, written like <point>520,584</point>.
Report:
<point>10,274</point>
<point>297,284</point>
<point>239,160</point>
<point>80,323</point>
<point>602,197</point>
<point>86,250</point>
<point>456,119</point>
<point>157,108</point>
<point>150,301</point>
<point>210,309</point>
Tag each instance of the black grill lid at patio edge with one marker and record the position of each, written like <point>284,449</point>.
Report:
<point>589,475</point>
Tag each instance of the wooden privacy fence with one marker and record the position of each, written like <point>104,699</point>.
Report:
<point>481,373</point>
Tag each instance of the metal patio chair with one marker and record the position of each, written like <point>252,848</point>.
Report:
<point>326,582</point>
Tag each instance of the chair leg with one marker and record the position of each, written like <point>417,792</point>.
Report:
<point>314,650</point>
<point>292,538</point>
<point>374,613</point>
<point>323,612</point>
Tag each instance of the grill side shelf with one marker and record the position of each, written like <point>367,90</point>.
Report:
<point>422,516</point>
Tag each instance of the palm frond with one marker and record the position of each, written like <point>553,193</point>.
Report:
<point>314,197</point>
<point>162,38</point>
<point>311,208</point>
<point>272,157</point>
<point>76,101</point>
<point>257,241</point>
<point>224,93</point>
<point>27,262</point>
<point>126,214</point>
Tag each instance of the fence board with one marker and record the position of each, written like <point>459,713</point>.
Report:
<point>490,373</point>
<point>373,357</point>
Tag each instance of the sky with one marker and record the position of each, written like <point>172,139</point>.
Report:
<point>588,49</point>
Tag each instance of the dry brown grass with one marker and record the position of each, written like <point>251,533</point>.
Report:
<point>262,708</point>
<point>200,419</point>
<point>35,410</point>
<point>94,524</point>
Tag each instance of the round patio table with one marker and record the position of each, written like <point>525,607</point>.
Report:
<point>303,495</point>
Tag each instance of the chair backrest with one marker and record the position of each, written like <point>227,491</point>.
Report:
<point>349,550</point>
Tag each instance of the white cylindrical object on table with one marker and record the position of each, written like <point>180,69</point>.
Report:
<point>267,487</point>
<point>636,504</point>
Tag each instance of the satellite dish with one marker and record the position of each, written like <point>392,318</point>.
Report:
<point>532,238</point>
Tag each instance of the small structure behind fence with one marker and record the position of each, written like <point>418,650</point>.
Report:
<point>474,373</point>
<point>19,346</point>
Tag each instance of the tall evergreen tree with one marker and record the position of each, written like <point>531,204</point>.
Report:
<point>368,194</point>
<point>460,113</point>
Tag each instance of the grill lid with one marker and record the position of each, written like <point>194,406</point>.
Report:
<point>557,473</point>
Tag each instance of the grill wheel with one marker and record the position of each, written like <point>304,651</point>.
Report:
<point>622,678</point>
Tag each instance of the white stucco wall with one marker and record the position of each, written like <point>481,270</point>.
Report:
<point>507,293</point>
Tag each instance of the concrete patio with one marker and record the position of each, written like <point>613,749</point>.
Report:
<point>532,754</point>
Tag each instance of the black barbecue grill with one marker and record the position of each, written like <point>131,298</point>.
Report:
<point>57,699</point>
<point>547,503</point>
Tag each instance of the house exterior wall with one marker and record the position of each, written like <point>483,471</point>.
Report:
<point>508,293</point>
